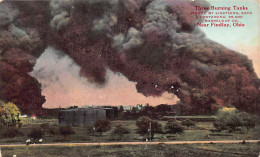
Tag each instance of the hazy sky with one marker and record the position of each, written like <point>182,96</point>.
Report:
<point>63,87</point>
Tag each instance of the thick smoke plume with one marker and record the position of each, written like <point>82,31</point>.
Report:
<point>152,42</point>
<point>57,72</point>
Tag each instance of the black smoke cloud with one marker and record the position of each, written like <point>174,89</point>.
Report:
<point>153,42</point>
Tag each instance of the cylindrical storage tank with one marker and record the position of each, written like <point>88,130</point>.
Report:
<point>95,115</point>
<point>67,117</point>
<point>62,118</point>
<point>82,116</point>
<point>100,114</point>
<point>78,117</point>
<point>71,117</point>
<point>103,113</point>
<point>89,117</point>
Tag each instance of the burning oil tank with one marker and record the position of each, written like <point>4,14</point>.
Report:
<point>81,116</point>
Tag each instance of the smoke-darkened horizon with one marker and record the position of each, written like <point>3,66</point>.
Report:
<point>153,43</point>
<point>63,86</point>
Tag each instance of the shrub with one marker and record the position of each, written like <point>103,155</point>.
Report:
<point>233,121</point>
<point>156,127</point>
<point>187,123</point>
<point>53,131</point>
<point>90,130</point>
<point>121,131</point>
<point>36,133</point>
<point>66,131</point>
<point>102,125</point>
<point>248,121</point>
<point>174,126</point>
<point>219,125</point>
<point>45,126</point>
<point>12,132</point>
<point>227,121</point>
<point>143,125</point>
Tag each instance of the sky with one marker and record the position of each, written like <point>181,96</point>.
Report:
<point>246,39</point>
<point>64,86</point>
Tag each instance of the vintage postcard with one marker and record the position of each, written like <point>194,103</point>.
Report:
<point>127,78</point>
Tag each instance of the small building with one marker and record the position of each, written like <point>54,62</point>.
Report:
<point>81,116</point>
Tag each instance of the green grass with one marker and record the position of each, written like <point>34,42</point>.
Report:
<point>198,118</point>
<point>201,131</point>
<point>160,150</point>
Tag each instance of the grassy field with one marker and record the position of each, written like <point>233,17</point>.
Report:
<point>160,150</point>
<point>199,118</point>
<point>201,131</point>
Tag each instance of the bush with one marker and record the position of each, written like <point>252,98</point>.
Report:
<point>227,121</point>
<point>36,133</point>
<point>233,121</point>
<point>248,121</point>
<point>45,126</point>
<point>53,131</point>
<point>121,131</point>
<point>102,125</point>
<point>66,131</point>
<point>188,123</point>
<point>143,125</point>
<point>90,130</point>
<point>219,125</point>
<point>174,126</point>
<point>12,132</point>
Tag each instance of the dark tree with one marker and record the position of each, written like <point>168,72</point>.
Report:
<point>121,109</point>
<point>163,108</point>
<point>134,110</point>
<point>143,126</point>
<point>148,111</point>
<point>102,125</point>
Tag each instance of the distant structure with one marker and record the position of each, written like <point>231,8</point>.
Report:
<point>110,113</point>
<point>81,116</point>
